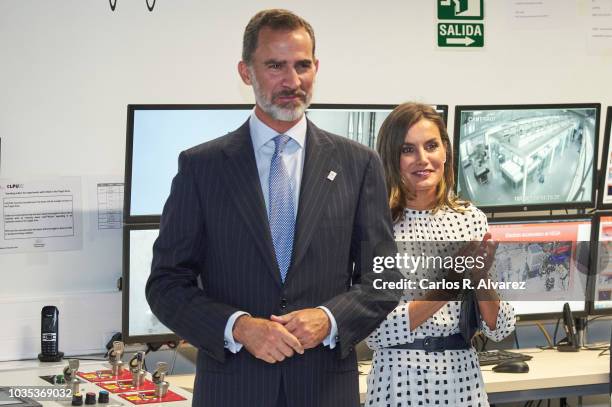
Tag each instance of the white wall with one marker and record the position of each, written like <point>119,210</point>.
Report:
<point>69,68</point>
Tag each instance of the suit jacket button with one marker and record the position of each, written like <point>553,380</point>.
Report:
<point>283,303</point>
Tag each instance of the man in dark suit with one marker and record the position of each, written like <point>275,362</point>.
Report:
<point>278,220</point>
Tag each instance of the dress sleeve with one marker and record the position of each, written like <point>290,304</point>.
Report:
<point>393,330</point>
<point>478,223</point>
<point>504,324</point>
<point>505,316</point>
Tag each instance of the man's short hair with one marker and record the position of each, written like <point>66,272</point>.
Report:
<point>275,19</point>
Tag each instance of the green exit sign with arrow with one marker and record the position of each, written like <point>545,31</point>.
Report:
<point>460,35</point>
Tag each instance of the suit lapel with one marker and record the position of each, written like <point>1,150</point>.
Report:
<point>244,187</point>
<point>315,186</point>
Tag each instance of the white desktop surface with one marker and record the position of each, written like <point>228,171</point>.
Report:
<point>548,370</point>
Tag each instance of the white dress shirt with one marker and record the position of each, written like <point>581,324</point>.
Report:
<point>293,158</point>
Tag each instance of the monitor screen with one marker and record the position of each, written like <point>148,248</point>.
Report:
<point>527,157</point>
<point>139,323</point>
<point>602,276</point>
<point>357,122</point>
<point>605,188</point>
<point>156,134</point>
<point>551,255</point>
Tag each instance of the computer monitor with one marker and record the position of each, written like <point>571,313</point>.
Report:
<point>551,255</point>
<point>523,157</point>
<point>600,285</point>
<point>604,197</point>
<point>156,134</point>
<point>139,325</point>
<point>357,122</point>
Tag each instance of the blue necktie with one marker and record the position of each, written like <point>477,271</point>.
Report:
<point>281,211</point>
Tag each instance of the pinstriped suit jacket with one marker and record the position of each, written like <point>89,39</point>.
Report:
<point>214,225</point>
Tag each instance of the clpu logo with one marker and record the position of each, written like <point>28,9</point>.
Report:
<point>150,4</point>
<point>13,186</point>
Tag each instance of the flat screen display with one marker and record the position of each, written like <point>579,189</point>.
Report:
<point>551,256</point>
<point>527,157</point>
<point>156,135</point>
<point>605,188</point>
<point>602,277</point>
<point>139,323</point>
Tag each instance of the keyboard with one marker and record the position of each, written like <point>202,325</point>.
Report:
<point>493,357</point>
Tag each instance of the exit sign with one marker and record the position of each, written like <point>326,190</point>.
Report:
<point>461,35</point>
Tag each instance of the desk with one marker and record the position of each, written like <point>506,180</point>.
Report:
<point>552,374</point>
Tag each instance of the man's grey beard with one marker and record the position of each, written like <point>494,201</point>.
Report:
<point>276,112</point>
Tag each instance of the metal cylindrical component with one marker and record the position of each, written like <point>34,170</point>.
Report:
<point>117,368</point>
<point>138,378</point>
<point>74,385</point>
<point>161,389</point>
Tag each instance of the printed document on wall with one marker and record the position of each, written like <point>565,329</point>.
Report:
<point>40,215</point>
<point>541,15</point>
<point>599,27</point>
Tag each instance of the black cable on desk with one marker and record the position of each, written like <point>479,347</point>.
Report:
<point>516,341</point>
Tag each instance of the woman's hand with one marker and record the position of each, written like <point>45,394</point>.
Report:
<point>485,254</point>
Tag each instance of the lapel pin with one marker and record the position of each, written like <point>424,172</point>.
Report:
<point>331,176</point>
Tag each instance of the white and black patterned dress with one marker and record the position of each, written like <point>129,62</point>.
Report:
<point>401,377</point>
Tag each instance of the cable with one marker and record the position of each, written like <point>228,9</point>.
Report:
<point>516,341</point>
<point>176,348</point>
<point>546,335</point>
<point>597,317</point>
<point>597,347</point>
<point>153,347</point>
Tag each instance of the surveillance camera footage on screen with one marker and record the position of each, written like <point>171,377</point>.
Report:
<point>526,156</point>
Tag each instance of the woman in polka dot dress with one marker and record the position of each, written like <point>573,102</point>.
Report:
<point>416,154</point>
